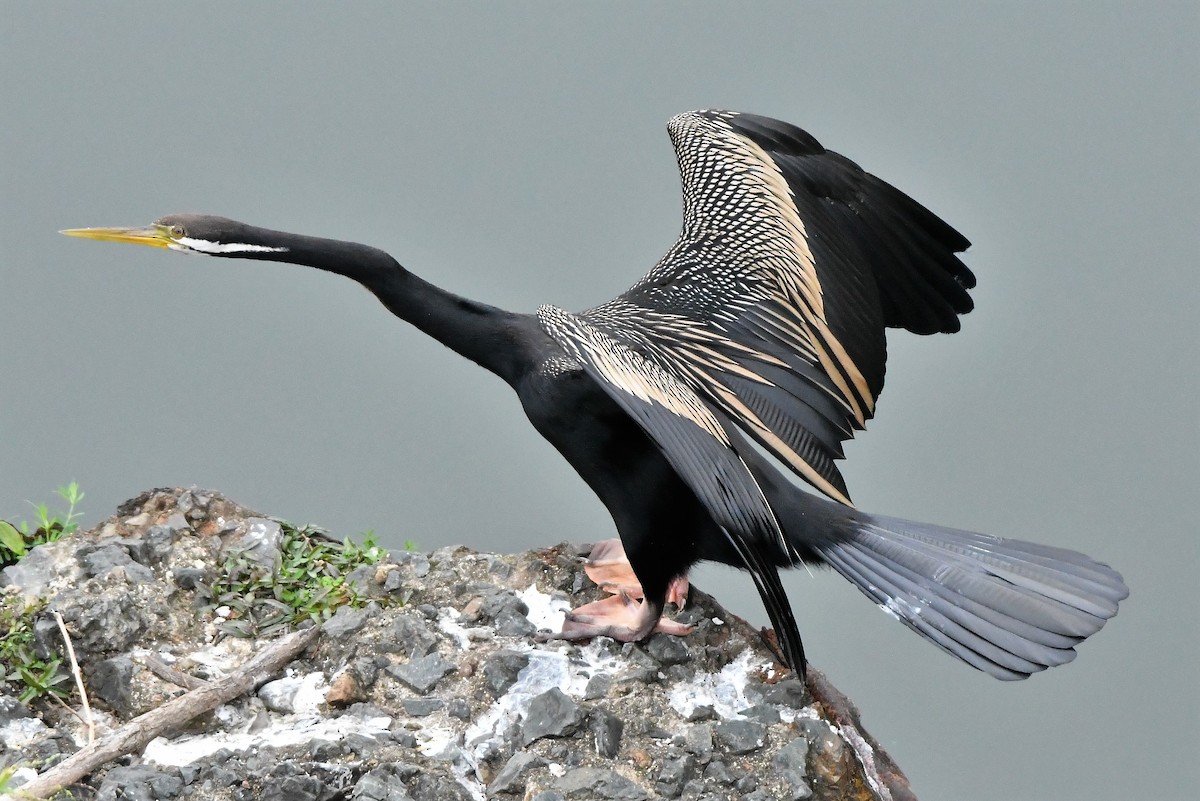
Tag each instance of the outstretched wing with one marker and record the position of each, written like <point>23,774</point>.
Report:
<point>772,303</point>
<point>697,446</point>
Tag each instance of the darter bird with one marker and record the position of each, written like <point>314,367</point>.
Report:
<point>764,323</point>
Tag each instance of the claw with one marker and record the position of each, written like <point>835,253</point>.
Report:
<point>619,617</point>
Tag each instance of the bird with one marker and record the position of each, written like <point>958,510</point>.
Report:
<point>698,403</point>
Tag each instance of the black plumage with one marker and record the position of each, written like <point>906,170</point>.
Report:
<point>765,322</point>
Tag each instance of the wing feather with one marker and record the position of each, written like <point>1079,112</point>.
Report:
<point>791,262</point>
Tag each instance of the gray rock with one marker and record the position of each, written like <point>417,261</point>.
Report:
<point>599,783</point>
<point>718,772</point>
<point>139,783</point>
<point>598,686</point>
<point>798,788</point>
<point>698,740</point>
<point>346,621</point>
<point>413,636</point>
<point>501,669</point>
<point>511,778</point>
<point>112,683</point>
<point>667,649</point>
<point>294,788</point>
<point>428,787</point>
<point>792,756</point>
<point>107,623</point>
<point>189,578</point>
<point>380,784</point>
<point>459,708</point>
<point>741,736</point>
<point>746,783</point>
<point>790,693</point>
<point>40,566</point>
<point>551,714</point>
<point>548,795</point>
<point>152,547</point>
<point>260,541</point>
<point>280,695</point>
<point>100,560</point>
<point>762,713</point>
<point>420,707</point>
<point>511,623</point>
<point>11,709</point>
<point>674,774</point>
<point>423,674</point>
<point>606,733</point>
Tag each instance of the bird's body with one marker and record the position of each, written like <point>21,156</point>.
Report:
<point>764,322</point>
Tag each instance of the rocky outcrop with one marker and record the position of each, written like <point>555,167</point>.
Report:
<point>435,687</point>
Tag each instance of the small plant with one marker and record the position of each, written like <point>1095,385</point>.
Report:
<point>307,582</point>
<point>21,670</point>
<point>16,541</point>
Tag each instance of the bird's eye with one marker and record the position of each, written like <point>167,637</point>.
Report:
<point>177,231</point>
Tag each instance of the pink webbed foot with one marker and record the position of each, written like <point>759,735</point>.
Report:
<point>609,567</point>
<point>621,618</point>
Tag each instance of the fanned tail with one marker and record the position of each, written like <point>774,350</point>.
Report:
<point>1007,607</point>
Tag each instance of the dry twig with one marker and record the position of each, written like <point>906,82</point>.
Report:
<point>134,735</point>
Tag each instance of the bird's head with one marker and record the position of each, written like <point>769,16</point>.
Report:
<point>189,233</point>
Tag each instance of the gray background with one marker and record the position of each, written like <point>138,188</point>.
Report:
<point>518,155</point>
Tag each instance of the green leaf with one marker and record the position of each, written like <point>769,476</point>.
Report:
<point>11,539</point>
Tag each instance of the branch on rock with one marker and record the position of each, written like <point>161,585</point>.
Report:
<point>135,734</point>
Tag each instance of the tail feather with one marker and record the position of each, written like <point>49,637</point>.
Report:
<point>1008,607</point>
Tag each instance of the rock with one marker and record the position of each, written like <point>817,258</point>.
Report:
<point>139,783</point>
<point>598,686</point>
<point>190,578</point>
<point>599,720</point>
<point>292,694</point>
<point>792,756</point>
<point>423,674</point>
<point>429,787</point>
<point>551,714</point>
<point>741,736</point>
<point>501,670</point>
<point>345,689</point>
<point>511,778</point>
<point>294,788</point>
<point>829,757</point>
<point>606,733</point>
<point>41,566</point>
<point>346,621</point>
<point>413,636</point>
<point>11,709</point>
<point>599,783</point>
<point>698,740</point>
<point>789,693</point>
<point>420,707</point>
<point>674,774</point>
<point>106,624</point>
<point>667,649</point>
<point>111,682</point>
<point>98,561</point>
<point>260,541</point>
<point>380,784</point>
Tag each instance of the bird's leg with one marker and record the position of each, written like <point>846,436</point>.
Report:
<point>622,616</point>
<point>609,567</point>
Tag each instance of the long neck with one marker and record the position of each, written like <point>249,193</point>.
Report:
<point>488,336</point>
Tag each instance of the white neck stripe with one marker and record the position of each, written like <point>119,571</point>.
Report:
<point>204,246</point>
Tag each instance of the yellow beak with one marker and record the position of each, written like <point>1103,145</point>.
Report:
<point>156,236</point>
